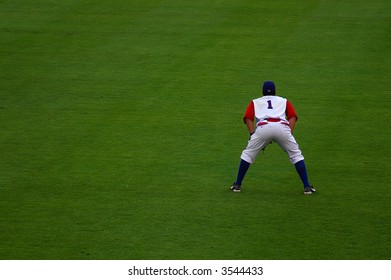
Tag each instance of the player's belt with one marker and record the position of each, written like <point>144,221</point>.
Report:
<point>266,121</point>
<point>273,120</point>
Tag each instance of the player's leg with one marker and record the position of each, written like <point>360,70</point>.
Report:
<point>302,171</point>
<point>288,143</point>
<point>243,167</point>
<point>258,141</point>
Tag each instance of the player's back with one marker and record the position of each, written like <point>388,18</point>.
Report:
<point>270,107</point>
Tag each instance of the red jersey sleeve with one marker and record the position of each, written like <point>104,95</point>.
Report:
<point>250,113</point>
<point>290,111</point>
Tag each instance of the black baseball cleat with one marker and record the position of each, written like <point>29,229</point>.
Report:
<point>236,188</point>
<point>309,190</point>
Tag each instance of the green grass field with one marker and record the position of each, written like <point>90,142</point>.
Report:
<point>121,129</point>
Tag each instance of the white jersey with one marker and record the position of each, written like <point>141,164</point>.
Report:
<point>270,106</point>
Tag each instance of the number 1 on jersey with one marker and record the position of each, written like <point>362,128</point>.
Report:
<point>269,103</point>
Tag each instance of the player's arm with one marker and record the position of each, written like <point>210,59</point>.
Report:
<point>291,115</point>
<point>248,118</point>
<point>292,123</point>
<point>250,125</point>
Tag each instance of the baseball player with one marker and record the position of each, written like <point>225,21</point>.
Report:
<point>275,119</point>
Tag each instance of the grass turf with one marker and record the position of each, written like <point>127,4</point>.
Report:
<point>121,129</point>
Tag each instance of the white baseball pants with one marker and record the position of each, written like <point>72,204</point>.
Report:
<point>276,132</point>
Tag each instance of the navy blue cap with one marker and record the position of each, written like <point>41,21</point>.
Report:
<point>269,88</point>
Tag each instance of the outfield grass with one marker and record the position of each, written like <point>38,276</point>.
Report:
<point>121,130</point>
